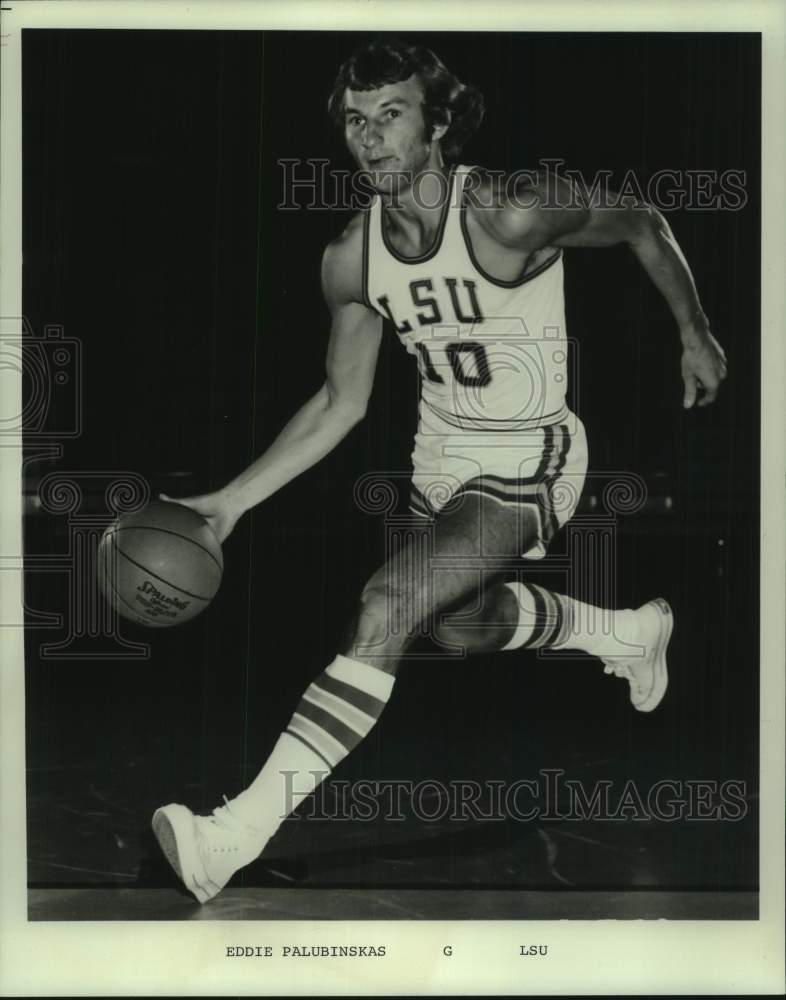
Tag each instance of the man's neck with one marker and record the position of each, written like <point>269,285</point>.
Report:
<point>416,209</point>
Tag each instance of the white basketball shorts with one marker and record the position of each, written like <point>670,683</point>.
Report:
<point>543,468</point>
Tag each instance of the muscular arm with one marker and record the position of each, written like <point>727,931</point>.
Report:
<point>528,222</point>
<point>328,416</point>
<point>325,419</point>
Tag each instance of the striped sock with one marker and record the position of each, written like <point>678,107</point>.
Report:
<point>556,621</point>
<point>544,618</point>
<point>338,710</point>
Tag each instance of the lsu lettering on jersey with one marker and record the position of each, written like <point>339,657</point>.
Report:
<point>493,417</point>
<point>492,353</point>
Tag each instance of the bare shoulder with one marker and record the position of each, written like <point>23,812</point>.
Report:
<point>342,265</point>
<point>522,209</point>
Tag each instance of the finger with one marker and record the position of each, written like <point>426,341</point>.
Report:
<point>689,397</point>
<point>709,396</point>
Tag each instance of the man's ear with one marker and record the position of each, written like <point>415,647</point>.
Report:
<point>440,129</point>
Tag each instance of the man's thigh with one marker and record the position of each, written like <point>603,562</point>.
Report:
<point>451,561</point>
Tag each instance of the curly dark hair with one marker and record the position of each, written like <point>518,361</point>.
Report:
<point>445,98</point>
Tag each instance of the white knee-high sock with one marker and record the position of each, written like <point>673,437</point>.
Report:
<point>559,622</point>
<point>336,712</point>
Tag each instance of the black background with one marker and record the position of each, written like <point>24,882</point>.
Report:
<point>152,234</point>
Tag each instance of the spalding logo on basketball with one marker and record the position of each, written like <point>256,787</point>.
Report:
<point>161,565</point>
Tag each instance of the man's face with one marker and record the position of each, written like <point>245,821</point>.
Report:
<point>385,131</point>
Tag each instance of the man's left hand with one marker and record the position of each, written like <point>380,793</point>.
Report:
<point>703,367</point>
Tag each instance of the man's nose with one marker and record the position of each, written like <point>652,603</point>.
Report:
<point>370,136</point>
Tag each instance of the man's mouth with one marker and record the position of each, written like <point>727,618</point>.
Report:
<point>379,161</point>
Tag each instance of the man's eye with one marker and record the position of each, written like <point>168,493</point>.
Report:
<point>393,113</point>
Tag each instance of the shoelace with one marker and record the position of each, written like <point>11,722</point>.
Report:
<point>224,817</point>
<point>623,670</point>
<point>619,670</point>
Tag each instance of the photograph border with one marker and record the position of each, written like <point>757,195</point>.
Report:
<point>614,957</point>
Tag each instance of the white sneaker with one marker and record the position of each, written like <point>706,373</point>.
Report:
<point>647,674</point>
<point>205,851</point>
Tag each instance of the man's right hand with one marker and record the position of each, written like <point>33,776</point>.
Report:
<point>214,507</point>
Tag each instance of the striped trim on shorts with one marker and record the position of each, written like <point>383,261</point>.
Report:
<point>562,453</point>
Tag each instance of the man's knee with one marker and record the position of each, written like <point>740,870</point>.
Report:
<point>375,624</point>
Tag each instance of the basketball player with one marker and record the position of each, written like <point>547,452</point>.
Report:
<point>469,271</point>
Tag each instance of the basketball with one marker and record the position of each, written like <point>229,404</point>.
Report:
<point>161,565</point>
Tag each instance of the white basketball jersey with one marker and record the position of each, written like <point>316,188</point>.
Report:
<point>492,354</point>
